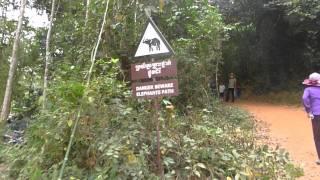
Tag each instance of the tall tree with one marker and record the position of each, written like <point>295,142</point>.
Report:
<point>93,60</point>
<point>48,57</point>
<point>87,13</point>
<point>4,19</point>
<point>13,66</point>
<point>95,51</point>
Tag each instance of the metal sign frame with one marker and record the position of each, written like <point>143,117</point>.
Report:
<point>162,55</point>
<point>168,88</point>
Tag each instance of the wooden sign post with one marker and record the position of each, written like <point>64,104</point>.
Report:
<point>154,45</point>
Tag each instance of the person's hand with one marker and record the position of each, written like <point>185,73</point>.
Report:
<point>311,116</point>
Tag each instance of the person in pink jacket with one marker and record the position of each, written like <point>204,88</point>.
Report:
<point>311,102</point>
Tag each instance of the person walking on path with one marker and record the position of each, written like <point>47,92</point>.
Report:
<point>231,87</point>
<point>311,102</point>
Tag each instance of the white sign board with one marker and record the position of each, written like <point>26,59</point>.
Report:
<point>152,42</point>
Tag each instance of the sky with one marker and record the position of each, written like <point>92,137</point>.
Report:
<point>34,17</point>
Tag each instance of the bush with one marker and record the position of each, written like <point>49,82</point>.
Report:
<point>117,140</point>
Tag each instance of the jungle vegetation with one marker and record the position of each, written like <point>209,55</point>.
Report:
<point>76,72</point>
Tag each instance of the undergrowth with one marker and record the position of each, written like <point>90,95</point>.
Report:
<point>292,98</point>
<point>116,139</point>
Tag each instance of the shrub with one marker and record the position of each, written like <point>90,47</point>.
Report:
<point>116,138</point>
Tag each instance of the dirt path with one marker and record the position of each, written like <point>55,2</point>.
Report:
<point>289,128</point>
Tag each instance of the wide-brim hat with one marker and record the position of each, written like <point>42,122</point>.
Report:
<point>313,80</point>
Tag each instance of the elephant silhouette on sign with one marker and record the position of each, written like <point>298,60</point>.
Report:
<point>152,42</point>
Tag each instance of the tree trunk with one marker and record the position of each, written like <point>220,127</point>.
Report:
<point>4,17</point>
<point>217,77</point>
<point>161,5</point>
<point>87,13</point>
<point>93,59</point>
<point>218,81</point>
<point>136,4</point>
<point>13,66</point>
<point>48,58</point>
<point>94,54</point>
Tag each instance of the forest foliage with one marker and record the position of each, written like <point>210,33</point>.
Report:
<point>200,138</point>
<point>274,45</point>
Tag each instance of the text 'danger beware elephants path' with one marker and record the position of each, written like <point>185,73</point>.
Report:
<point>289,128</point>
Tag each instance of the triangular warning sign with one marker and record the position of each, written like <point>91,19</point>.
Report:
<point>153,43</point>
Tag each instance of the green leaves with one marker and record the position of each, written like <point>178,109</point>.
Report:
<point>116,134</point>
<point>197,29</point>
<point>70,122</point>
<point>168,161</point>
<point>118,141</point>
<point>71,92</point>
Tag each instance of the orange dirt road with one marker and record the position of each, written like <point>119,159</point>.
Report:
<point>290,128</point>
